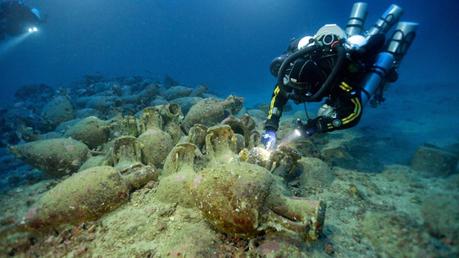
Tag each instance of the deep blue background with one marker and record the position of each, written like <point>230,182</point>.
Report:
<point>227,44</point>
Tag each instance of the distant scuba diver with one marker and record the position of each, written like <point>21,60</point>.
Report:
<point>16,18</point>
<point>347,68</point>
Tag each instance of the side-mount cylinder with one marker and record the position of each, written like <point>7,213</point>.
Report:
<point>386,21</point>
<point>357,19</point>
<point>382,66</point>
<point>401,40</point>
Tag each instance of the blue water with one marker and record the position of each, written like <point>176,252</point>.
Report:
<point>227,44</point>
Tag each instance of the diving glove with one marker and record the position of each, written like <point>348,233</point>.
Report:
<point>268,139</point>
<point>307,129</point>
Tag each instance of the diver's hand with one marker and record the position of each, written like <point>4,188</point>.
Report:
<point>307,129</point>
<point>268,139</point>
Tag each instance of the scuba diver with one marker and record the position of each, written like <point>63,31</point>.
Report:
<point>346,68</point>
<point>16,18</point>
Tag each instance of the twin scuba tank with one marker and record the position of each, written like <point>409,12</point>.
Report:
<point>312,64</point>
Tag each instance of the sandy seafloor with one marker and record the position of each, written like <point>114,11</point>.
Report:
<point>377,206</point>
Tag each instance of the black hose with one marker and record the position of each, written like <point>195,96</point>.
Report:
<point>341,56</point>
<point>288,60</point>
<point>341,52</point>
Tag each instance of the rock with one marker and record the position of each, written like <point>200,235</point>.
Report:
<point>264,107</point>
<point>277,246</point>
<point>338,156</point>
<point>91,130</point>
<point>34,92</point>
<point>102,86</point>
<point>209,112</point>
<point>441,216</point>
<point>434,161</point>
<point>315,174</point>
<point>453,148</point>
<point>57,111</point>
<point>177,92</point>
<point>394,234</point>
<point>56,157</point>
<point>257,114</point>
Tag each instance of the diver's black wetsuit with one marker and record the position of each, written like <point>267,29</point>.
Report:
<point>343,96</point>
<point>15,18</point>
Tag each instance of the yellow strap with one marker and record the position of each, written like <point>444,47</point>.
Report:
<point>344,88</point>
<point>273,101</point>
<point>355,114</point>
<point>346,85</point>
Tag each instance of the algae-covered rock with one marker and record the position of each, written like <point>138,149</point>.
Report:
<point>211,111</point>
<point>56,157</point>
<point>277,246</point>
<point>314,173</point>
<point>91,130</point>
<point>394,234</point>
<point>434,161</point>
<point>441,216</point>
<point>188,236</point>
<point>57,111</point>
<point>148,228</point>
<point>338,156</point>
<point>84,196</point>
